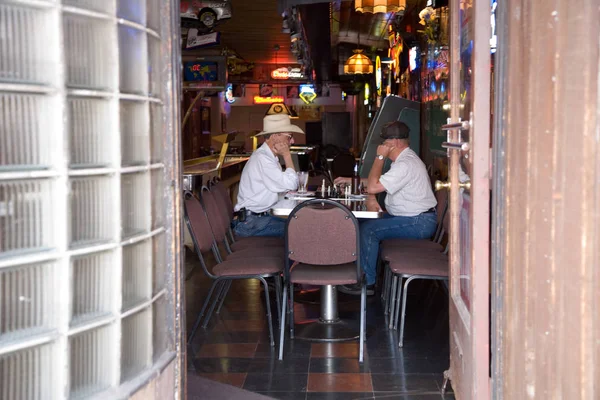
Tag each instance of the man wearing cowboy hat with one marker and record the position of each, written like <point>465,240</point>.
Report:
<point>263,179</point>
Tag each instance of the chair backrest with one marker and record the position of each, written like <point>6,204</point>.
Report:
<point>197,222</point>
<point>217,220</point>
<point>322,232</point>
<point>343,165</point>
<point>222,196</point>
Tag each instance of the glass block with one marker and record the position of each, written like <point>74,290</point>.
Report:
<point>92,210</point>
<point>107,7</point>
<point>157,133</point>
<point>154,67</point>
<point>133,60</point>
<point>27,301</point>
<point>28,374</point>
<point>135,133</point>
<point>137,273</point>
<point>25,140</point>
<point>136,343</point>
<point>153,13</point>
<point>91,133</point>
<point>93,289</point>
<point>90,363</point>
<point>132,10</point>
<point>158,197</point>
<point>24,58</point>
<point>135,204</point>
<point>26,216</point>
<point>162,339</point>
<point>159,262</point>
<point>91,63</point>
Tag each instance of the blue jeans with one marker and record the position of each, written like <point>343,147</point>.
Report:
<point>263,225</point>
<point>373,231</point>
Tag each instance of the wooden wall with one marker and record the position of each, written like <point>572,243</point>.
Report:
<point>546,252</point>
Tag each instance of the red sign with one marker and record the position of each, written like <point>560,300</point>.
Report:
<point>287,73</point>
<point>268,100</point>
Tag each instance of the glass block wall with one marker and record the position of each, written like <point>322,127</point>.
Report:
<point>83,237</point>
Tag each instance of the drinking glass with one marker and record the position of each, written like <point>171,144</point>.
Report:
<point>302,181</point>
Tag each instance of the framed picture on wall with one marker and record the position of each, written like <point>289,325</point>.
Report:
<point>293,92</point>
<point>266,90</point>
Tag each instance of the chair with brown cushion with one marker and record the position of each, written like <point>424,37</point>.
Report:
<point>393,249</point>
<point>225,271</point>
<point>226,209</point>
<point>322,248</point>
<point>424,265</point>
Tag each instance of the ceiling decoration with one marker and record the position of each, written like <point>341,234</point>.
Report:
<point>380,6</point>
<point>358,64</point>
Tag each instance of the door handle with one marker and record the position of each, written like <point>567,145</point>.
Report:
<point>464,146</point>
<point>439,185</point>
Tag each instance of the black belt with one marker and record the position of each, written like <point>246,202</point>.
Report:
<point>432,209</point>
<point>248,212</point>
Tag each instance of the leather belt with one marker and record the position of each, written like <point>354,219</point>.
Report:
<point>432,209</point>
<point>248,212</point>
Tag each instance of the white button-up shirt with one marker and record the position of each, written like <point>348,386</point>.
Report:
<point>262,179</point>
<point>408,186</point>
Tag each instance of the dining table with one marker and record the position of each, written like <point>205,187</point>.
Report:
<point>328,326</point>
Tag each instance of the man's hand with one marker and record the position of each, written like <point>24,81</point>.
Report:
<point>282,148</point>
<point>342,180</point>
<point>384,150</point>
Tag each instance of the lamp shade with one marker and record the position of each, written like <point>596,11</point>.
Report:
<point>379,6</point>
<point>358,64</point>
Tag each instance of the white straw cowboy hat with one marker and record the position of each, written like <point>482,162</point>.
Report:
<point>279,123</point>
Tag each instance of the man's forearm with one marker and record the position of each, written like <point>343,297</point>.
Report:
<point>287,159</point>
<point>375,173</point>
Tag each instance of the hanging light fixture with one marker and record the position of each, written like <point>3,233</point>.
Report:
<point>358,64</point>
<point>380,6</point>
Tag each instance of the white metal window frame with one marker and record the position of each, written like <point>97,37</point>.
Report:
<point>89,196</point>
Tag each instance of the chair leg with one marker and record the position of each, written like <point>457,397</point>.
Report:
<point>268,301</point>
<point>392,301</point>
<point>385,289</point>
<point>222,300</point>
<point>277,280</point>
<point>403,316</point>
<point>363,317</point>
<point>214,304</point>
<point>282,322</point>
<point>199,318</point>
<point>397,300</point>
<point>291,310</point>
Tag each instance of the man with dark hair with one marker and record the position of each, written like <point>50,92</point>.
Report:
<point>409,202</point>
<point>263,179</point>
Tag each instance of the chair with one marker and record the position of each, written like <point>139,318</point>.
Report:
<point>343,165</point>
<point>322,248</point>
<point>393,249</point>
<point>426,265</point>
<point>225,271</point>
<point>225,207</point>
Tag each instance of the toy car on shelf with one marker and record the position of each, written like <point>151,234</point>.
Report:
<point>204,15</point>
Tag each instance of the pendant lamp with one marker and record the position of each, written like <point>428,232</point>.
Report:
<point>358,64</point>
<point>379,6</point>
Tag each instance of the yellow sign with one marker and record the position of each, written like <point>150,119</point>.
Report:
<point>268,100</point>
<point>367,94</point>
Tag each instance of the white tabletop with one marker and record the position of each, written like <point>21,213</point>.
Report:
<point>360,208</point>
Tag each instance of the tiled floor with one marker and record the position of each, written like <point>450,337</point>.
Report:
<point>235,350</point>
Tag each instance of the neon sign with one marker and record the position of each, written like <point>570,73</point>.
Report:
<point>268,100</point>
<point>229,94</point>
<point>378,75</point>
<point>307,93</point>
<point>287,73</point>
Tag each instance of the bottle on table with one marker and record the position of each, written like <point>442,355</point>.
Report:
<point>355,180</point>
